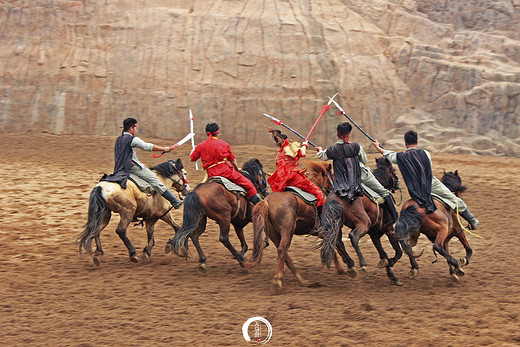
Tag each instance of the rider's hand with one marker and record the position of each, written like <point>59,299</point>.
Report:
<point>167,149</point>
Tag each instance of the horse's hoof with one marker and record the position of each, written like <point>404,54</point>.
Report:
<point>144,257</point>
<point>134,259</point>
<point>396,283</point>
<point>459,272</point>
<point>202,267</point>
<point>352,272</point>
<point>364,271</point>
<point>383,263</point>
<point>314,285</point>
<point>413,273</point>
<point>277,286</point>
<point>463,261</point>
<point>455,278</point>
<point>168,248</point>
<point>341,271</point>
<point>97,260</point>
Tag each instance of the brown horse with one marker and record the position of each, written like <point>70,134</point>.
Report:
<point>362,216</point>
<point>212,200</point>
<point>130,203</point>
<point>440,227</point>
<point>284,214</point>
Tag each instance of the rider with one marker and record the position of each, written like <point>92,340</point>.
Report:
<point>215,155</point>
<point>126,161</point>
<point>287,172</point>
<point>349,161</point>
<point>415,166</point>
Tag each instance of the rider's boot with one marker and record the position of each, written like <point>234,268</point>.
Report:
<point>389,206</point>
<point>473,222</point>
<point>176,203</point>
<point>255,199</point>
<point>320,211</point>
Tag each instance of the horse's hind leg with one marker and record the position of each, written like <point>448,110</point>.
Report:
<point>303,281</point>
<point>464,241</point>
<point>240,234</point>
<point>195,239</point>
<point>147,251</point>
<point>96,258</point>
<point>385,262</point>
<point>340,247</point>
<point>355,235</point>
<point>224,238</point>
<point>455,269</point>
<point>121,231</point>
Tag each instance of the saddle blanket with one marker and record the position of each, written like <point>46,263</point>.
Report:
<point>232,187</point>
<point>372,195</point>
<point>309,198</point>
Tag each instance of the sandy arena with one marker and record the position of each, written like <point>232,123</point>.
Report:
<point>53,296</point>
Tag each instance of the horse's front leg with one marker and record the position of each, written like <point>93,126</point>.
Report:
<point>405,244</point>
<point>464,241</point>
<point>452,262</point>
<point>169,220</point>
<point>384,262</point>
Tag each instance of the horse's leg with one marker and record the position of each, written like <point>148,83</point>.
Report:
<point>439,247</point>
<point>147,251</point>
<point>414,271</point>
<point>125,221</point>
<point>340,247</point>
<point>96,258</point>
<point>355,235</point>
<point>301,280</point>
<point>195,239</point>
<point>384,262</point>
<point>396,246</point>
<point>337,264</point>
<point>169,220</point>
<point>464,241</point>
<point>224,238</point>
<point>240,234</point>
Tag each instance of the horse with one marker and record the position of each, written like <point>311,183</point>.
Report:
<point>363,216</point>
<point>131,203</point>
<point>440,227</point>
<point>284,214</point>
<point>212,200</point>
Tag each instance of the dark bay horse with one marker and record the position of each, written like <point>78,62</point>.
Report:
<point>282,215</point>
<point>130,203</point>
<point>439,227</point>
<point>363,216</point>
<point>212,200</point>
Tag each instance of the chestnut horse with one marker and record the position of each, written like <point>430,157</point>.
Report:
<point>440,227</point>
<point>284,214</point>
<point>130,203</point>
<point>212,200</point>
<point>362,216</point>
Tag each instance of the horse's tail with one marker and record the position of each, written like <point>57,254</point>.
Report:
<point>97,211</point>
<point>409,222</point>
<point>331,224</point>
<point>261,227</point>
<point>191,217</point>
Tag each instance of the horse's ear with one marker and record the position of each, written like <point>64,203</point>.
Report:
<point>456,173</point>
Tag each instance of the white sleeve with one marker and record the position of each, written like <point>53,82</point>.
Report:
<point>145,146</point>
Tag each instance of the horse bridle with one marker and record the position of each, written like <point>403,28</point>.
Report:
<point>256,184</point>
<point>184,184</point>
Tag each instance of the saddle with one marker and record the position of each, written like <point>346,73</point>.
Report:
<point>232,187</point>
<point>309,198</point>
<point>372,195</point>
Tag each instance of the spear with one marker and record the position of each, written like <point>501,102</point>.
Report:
<point>192,139</point>
<point>322,112</point>
<point>341,111</point>
<point>279,122</point>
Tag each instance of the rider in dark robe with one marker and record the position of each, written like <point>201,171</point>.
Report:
<point>126,161</point>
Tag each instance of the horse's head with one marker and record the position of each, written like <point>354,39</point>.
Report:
<point>453,182</point>
<point>385,174</point>
<point>321,174</point>
<point>253,170</point>
<point>174,171</point>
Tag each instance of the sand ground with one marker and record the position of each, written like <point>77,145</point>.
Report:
<point>53,296</point>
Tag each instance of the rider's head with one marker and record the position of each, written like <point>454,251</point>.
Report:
<point>278,137</point>
<point>129,123</point>
<point>344,130</point>
<point>410,138</point>
<point>212,129</point>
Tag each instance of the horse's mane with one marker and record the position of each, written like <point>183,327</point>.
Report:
<point>453,182</point>
<point>317,167</point>
<point>168,168</point>
<point>253,167</point>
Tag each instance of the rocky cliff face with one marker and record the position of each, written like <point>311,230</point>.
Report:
<point>450,70</point>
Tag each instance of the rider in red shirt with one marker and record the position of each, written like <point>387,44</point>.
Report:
<point>287,171</point>
<point>216,158</point>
